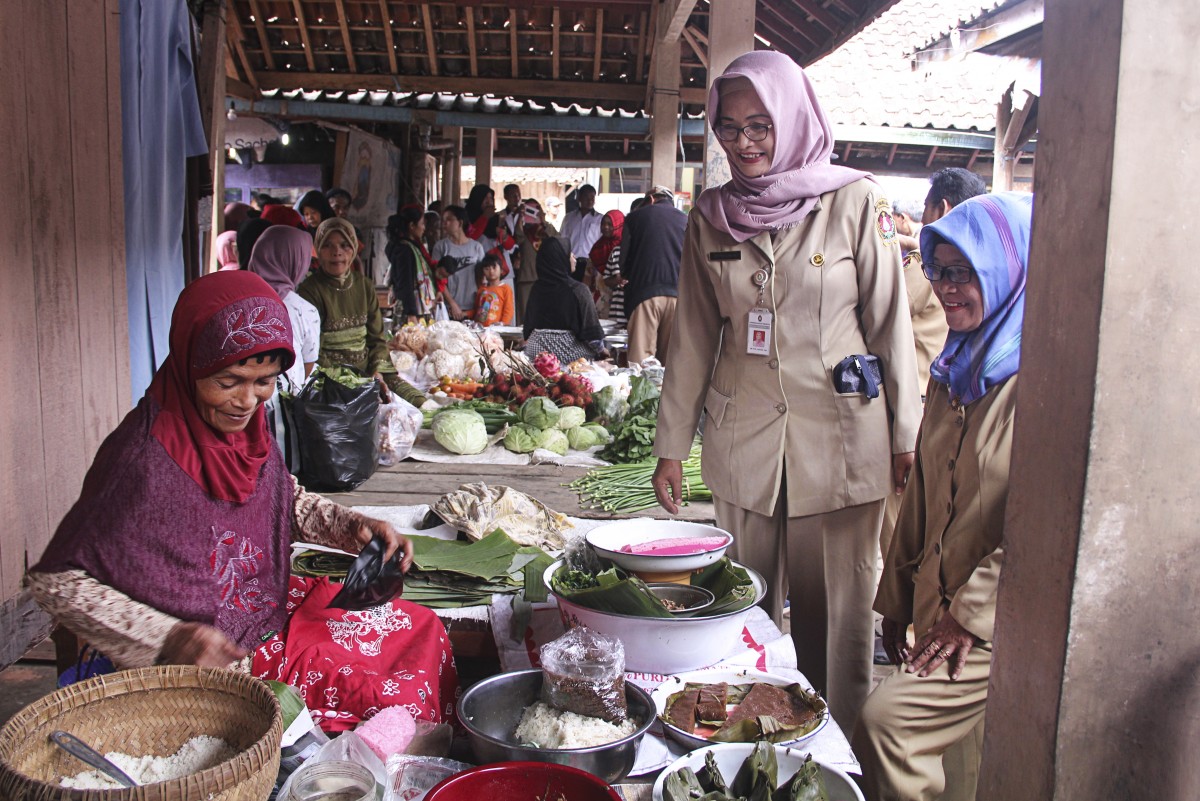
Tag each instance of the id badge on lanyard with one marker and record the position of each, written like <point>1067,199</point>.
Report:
<point>760,320</point>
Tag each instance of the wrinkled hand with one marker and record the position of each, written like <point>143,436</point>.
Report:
<point>384,392</point>
<point>946,642</point>
<point>668,484</point>
<point>394,539</point>
<point>200,645</point>
<point>901,466</point>
<point>895,640</point>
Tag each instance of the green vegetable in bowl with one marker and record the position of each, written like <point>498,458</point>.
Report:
<point>539,412</point>
<point>460,431</point>
<point>522,438</point>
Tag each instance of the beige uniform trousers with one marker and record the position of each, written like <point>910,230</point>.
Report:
<point>650,329</point>
<point>909,723</point>
<point>825,563</point>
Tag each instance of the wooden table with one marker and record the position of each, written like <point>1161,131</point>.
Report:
<point>411,483</point>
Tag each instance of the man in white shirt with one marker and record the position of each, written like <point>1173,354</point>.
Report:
<point>582,228</point>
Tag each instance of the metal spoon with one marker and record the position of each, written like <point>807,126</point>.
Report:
<point>84,752</point>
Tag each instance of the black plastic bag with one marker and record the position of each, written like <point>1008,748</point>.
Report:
<point>370,581</point>
<point>338,429</point>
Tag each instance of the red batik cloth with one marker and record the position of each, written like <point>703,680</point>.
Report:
<point>349,665</point>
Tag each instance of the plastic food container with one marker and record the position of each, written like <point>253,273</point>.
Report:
<point>333,781</point>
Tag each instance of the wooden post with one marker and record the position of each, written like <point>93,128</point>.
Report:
<point>730,33</point>
<point>212,110</point>
<point>1002,163</point>
<point>485,150</point>
<point>664,82</point>
<point>452,166</point>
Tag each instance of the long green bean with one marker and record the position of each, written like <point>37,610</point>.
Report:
<point>628,488</point>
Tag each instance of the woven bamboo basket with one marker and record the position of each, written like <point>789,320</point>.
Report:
<point>150,711</point>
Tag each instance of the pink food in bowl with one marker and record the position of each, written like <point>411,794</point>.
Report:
<point>676,546</point>
<point>523,781</point>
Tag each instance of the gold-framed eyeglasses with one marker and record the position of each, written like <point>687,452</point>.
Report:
<point>755,132</point>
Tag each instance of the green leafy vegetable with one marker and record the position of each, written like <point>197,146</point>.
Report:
<point>540,413</point>
<point>522,438</point>
<point>571,417</point>
<point>460,431</point>
<point>555,441</point>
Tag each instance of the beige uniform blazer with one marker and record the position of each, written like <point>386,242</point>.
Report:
<point>946,552</point>
<point>928,316</point>
<point>835,291</point>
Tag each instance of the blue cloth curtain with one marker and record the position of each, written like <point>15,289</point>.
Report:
<point>160,112</point>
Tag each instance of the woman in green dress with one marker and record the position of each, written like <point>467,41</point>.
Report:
<point>351,322</point>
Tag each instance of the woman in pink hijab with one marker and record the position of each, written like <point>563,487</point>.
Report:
<point>792,336</point>
<point>227,256</point>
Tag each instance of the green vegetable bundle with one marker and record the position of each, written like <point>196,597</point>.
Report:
<point>346,376</point>
<point>626,488</point>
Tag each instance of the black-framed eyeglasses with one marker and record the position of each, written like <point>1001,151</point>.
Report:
<point>954,273</point>
<point>755,132</point>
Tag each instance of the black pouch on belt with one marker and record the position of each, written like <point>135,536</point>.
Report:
<point>859,373</point>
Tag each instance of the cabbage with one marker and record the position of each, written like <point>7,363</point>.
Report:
<point>460,431</point>
<point>599,431</point>
<point>570,417</point>
<point>539,413</point>
<point>552,439</point>
<point>581,438</point>
<point>522,438</point>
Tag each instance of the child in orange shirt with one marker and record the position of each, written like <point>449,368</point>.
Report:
<point>494,302</point>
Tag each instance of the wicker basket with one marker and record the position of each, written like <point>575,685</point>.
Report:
<point>147,711</point>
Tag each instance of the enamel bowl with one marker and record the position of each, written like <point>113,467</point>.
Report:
<point>609,539</point>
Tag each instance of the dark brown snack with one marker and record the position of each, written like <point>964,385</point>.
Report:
<point>682,711</point>
<point>712,702</point>
<point>769,700</point>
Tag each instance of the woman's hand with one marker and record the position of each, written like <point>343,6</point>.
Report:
<point>615,280</point>
<point>946,642</point>
<point>383,387</point>
<point>394,539</point>
<point>200,645</point>
<point>901,466</point>
<point>668,484</point>
<point>895,640</point>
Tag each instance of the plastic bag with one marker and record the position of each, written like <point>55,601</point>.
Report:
<point>411,777</point>
<point>399,424</point>
<point>346,747</point>
<point>439,313</point>
<point>338,432</point>
<point>584,672</point>
<point>370,581</point>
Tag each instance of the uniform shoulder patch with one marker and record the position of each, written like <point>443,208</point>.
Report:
<point>885,225</point>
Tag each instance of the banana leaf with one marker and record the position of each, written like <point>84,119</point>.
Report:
<point>682,786</point>
<point>487,558</point>
<point>730,585</point>
<point>808,784</point>
<point>710,777</point>
<point>767,727</point>
<point>616,591</point>
<point>760,771</point>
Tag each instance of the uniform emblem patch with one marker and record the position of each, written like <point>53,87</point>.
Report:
<point>885,226</point>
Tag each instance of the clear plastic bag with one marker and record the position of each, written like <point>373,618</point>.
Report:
<point>411,777</point>
<point>584,672</point>
<point>399,424</point>
<point>347,747</point>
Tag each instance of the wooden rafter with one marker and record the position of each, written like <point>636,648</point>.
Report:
<point>697,48</point>
<point>256,12</point>
<point>555,27</point>
<point>430,50</point>
<point>698,35</point>
<point>679,17</point>
<point>598,53</point>
<point>236,35</point>
<point>819,13</point>
<point>512,41</point>
<point>892,154</point>
<point>933,151</point>
<point>846,152</point>
<point>298,9</point>
<point>387,36</point>
<point>971,161</point>
<point>846,8</point>
<point>471,52</point>
<point>345,26</point>
<point>639,67</point>
<point>797,22</point>
<point>783,31</point>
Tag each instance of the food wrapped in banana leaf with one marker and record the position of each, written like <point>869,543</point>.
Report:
<point>756,780</point>
<point>616,591</point>
<point>749,712</point>
<point>758,775</point>
<point>808,784</point>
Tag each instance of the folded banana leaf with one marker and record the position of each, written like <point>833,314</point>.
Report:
<point>710,777</point>
<point>682,786</point>
<point>758,774</point>
<point>616,591</point>
<point>808,784</point>
<point>768,727</point>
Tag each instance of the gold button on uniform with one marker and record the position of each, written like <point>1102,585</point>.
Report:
<point>773,364</point>
<point>817,259</point>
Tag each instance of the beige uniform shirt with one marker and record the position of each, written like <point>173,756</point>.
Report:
<point>835,290</point>
<point>946,552</point>
<point>928,317</point>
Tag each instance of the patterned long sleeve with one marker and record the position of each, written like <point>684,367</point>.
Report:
<point>320,521</point>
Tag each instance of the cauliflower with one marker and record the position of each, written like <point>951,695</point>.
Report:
<point>443,364</point>
<point>450,336</point>
<point>404,360</point>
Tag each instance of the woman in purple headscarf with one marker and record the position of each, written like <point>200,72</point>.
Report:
<point>282,256</point>
<point>942,569</point>
<point>789,291</point>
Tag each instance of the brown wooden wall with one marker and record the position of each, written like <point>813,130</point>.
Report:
<point>64,341</point>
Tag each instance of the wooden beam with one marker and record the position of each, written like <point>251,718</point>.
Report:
<point>1012,136</point>
<point>697,34</point>
<point>795,25</point>
<point>236,88</point>
<point>933,151</point>
<point>846,8</point>
<point>471,51</point>
<point>690,38</point>
<point>598,52</point>
<point>814,9</point>
<point>236,34</point>
<point>268,57</point>
<point>781,33</point>
<point>639,66</point>
<point>387,36</point>
<point>211,86</point>
<point>846,152</point>
<point>971,161</point>
<point>512,42</point>
<point>679,17</point>
<point>308,51</point>
<point>345,26</point>
<point>892,154</point>
<point>555,25</point>
<point>430,50</point>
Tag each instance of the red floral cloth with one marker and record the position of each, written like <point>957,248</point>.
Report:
<point>349,665</point>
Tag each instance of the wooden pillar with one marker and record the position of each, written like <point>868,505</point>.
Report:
<point>485,149</point>
<point>1002,163</point>
<point>212,109</point>
<point>452,166</point>
<point>1093,689</point>
<point>664,100</point>
<point>730,33</point>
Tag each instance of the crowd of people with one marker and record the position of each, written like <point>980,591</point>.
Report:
<point>851,362</point>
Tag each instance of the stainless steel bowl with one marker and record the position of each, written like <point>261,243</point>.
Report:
<point>491,710</point>
<point>688,600</point>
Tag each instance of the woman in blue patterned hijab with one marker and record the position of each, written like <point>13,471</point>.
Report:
<point>976,256</point>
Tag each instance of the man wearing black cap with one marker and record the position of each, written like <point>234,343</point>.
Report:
<point>651,247</point>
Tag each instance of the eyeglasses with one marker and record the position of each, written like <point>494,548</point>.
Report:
<point>954,273</point>
<point>755,132</point>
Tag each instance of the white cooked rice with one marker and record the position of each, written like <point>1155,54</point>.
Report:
<point>543,726</point>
